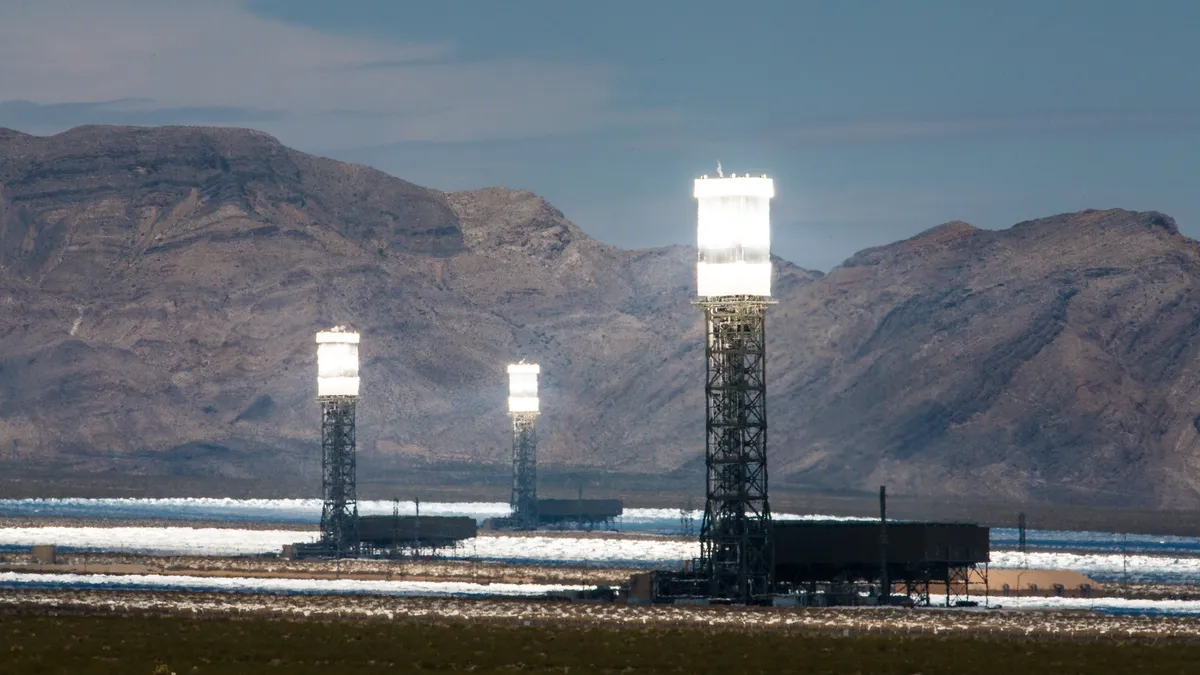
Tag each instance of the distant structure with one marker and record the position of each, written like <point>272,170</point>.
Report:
<point>527,511</point>
<point>733,280</point>
<point>395,536</point>
<point>1021,532</point>
<point>585,514</point>
<point>343,533</point>
<point>523,409</point>
<point>687,524</point>
<point>337,391</point>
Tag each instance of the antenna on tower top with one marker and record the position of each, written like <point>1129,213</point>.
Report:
<point>720,173</point>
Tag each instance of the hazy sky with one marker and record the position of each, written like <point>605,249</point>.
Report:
<point>876,119</point>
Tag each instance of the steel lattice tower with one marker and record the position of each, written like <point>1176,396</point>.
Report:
<point>337,392</point>
<point>523,408</point>
<point>524,489</point>
<point>735,546</point>
<point>339,513</point>
<point>734,288</point>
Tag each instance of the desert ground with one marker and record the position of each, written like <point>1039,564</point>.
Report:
<point>121,632</point>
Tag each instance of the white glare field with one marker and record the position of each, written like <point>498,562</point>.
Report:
<point>429,589</point>
<point>658,521</point>
<point>1169,560</point>
<point>223,541</point>
<point>661,521</point>
<point>434,589</point>
<point>561,550</point>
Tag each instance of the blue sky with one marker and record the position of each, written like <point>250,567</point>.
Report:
<point>877,119</point>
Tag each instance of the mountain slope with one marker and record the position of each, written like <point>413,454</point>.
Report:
<point>1054,360</point>
<point>167,283</point>
<point>159,288</point>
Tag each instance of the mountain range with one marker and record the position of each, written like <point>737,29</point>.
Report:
<point>160,288</point>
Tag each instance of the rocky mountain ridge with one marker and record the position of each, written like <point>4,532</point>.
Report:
<point>159,288</point>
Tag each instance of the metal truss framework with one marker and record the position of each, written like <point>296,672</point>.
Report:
<point>736,555</point>
<point>524,490</point>
<point>339,513</point>
<point>958,580</point>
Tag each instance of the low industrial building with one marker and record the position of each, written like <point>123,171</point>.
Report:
<point>583,514</point>
<point>394,536</point>
<point>840,557</point>
<point>843,563</point>
<point>390,533</point>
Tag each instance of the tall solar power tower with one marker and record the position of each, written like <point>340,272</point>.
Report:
<point>523,408</point>
<point>733,271</point>
<point>337,390</point>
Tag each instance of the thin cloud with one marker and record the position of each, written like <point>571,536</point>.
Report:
<point>1017,124</point>
<point>318,89</point>
<point>709,134</point>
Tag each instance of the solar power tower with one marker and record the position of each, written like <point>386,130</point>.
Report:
<point>523,409</point>
<point>337,391</point>
<point>733,273</point>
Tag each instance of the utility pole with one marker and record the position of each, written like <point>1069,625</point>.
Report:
<point>1125,565</point>
<point>417,528</point>
<point>885,584</point>
<point>1021,532</point>
<point>686,521</point>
